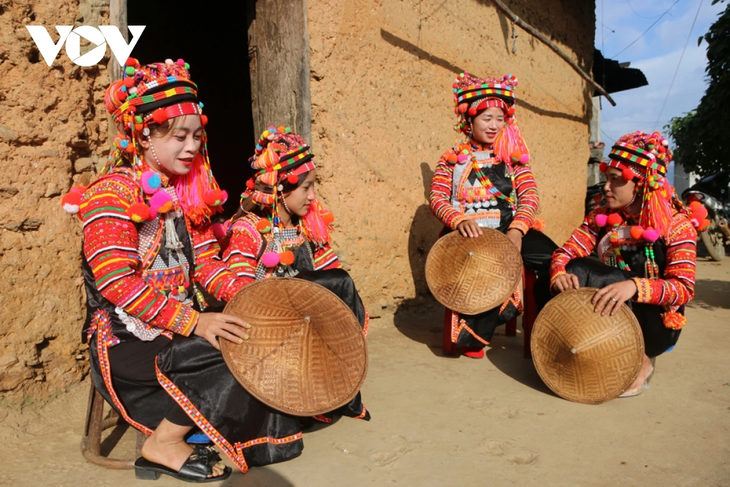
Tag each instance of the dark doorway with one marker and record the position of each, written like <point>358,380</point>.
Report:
<point>214,41</point>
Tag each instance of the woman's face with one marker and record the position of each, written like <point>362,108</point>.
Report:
<point>300,199</point>
<point>619,192</point>
<point>487,125</point>
<point>173,153</point>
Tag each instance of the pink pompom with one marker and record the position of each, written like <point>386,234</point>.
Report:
<point>224,196</point>
<point>219,230</point>
<point>270,259</point>
<point>462,158</point>
<point>161,202</point>
<point>601,220</point>
<point>650,235</point>
<point>151,182</point>
<point>525,158</point>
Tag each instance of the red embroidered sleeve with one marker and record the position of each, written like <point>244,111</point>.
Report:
<point>580,244</point>
<point>677,286</point>
<point>244,244</point>
<point>440,197</point>
<point>210,271</point>
<point>527,198</point>
<point>326,258</point>
<point>110,248</point>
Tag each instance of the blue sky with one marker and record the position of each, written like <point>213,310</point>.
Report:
<point>657,54</point>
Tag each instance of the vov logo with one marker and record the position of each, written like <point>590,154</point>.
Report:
<point>105,34</point>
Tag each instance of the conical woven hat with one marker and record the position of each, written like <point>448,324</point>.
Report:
<point>473,274</point>
<point>583,356</point>
<point>306,354</point>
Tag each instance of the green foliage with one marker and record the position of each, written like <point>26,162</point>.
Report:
<point>702,137</point>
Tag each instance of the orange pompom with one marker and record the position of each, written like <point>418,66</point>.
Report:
<point>263,226</point>
<point>472,111</point>
<point>628,174</point>
<point>292,179</point>
<point>203,120</point>
<point>603,167</point>
<point>139,212</point>
<point>159,116</point>
<point>328,217</point>
<point>250,184</point>
<point>452,158</point>
<point>286,257</point>
<point>614,219</point>
<point>463,107</point>
<point>71,201</point>
<point>636,232</point>
<point>213,198</point>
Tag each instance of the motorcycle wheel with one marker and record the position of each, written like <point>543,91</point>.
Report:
<point>714,241</point>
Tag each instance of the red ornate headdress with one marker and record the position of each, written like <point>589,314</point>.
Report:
<point>147,96</point>
<point>473,95</point>
<point>282,158</point>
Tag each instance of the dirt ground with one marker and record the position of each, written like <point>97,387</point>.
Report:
<point>443,422</point>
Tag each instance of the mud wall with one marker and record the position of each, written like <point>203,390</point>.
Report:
<point>382,114</point>
<point>53,134</point>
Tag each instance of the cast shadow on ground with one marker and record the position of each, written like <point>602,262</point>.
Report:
<point>711,294</point>
<point>257,477</point>
<point>507,355</point>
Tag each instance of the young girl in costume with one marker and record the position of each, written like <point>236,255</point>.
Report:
<point>287,232</point>
<point>646,243</point>
<point>149,260</point>
<point>487,182</point>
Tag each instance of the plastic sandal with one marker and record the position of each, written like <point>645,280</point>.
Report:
<point>195,469</point>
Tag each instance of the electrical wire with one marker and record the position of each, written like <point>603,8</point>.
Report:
<point>637,13</point>
<point>647,30</point>
<point>669,91</point>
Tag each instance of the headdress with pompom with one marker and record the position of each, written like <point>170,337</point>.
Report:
<point>283,157</point>
<point>150,95</point>
<point>645,158</point>
<point>473,95</point>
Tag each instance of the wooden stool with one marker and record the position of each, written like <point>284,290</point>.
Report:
<point>529,315</point>
<point>95,425</point>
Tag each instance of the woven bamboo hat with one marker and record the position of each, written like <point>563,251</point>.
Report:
<point>306,354</point>
<point>473,274</point>
<point>583,356</point>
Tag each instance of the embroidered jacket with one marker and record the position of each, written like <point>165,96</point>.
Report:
<point>443,184</point>
<point>677,283</point>
<point>123,262</point>
<point>245,245</point>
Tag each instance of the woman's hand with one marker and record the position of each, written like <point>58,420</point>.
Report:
<point>212,325</point>
<point>564,282</point>
<point>515,236</point>
<point>469,228</point>
<point>610,298</point>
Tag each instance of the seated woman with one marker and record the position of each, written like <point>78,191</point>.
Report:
<point>287,232</point>
<point>487,182</point>
<point>149,254</point>
<point>646,245</point>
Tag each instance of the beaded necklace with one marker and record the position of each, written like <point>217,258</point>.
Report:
<point>650,266</point>
<point>487,183</point>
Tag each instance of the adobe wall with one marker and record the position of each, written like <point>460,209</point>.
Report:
<point>53,132</point>
<point>382,114</point>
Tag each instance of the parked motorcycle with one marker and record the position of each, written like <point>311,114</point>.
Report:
<point>714,193</point>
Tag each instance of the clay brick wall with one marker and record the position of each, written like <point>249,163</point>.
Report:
<point>53,134</point>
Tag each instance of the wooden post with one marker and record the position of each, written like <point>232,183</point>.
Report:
<point>279,66</point>
<point>118,18</point>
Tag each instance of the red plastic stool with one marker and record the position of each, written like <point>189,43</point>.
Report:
<point>529,313</point>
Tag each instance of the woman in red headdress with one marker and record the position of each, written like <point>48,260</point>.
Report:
<point>646,242</point>
<point>487,182</point>
<point>151,267</point>
<point>282,230</point>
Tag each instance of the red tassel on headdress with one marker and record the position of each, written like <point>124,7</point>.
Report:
<point>317,223</point>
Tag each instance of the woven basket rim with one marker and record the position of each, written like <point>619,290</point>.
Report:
<point>627,320</point>
<point>227,348</point>
<point>446,244</point>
